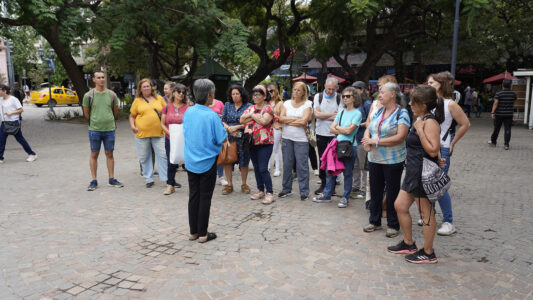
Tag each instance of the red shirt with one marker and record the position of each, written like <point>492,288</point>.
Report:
<point>173,115</point>
<point>263,135</point>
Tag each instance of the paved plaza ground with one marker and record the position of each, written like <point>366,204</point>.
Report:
<point>60,241</point>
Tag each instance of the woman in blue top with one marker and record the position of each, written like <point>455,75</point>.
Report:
<point>345,126</point>
<point>231,116</point>
<point>203,133</point>
<point>384,139</point>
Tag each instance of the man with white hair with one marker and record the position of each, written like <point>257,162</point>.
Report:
<point>326,105</point>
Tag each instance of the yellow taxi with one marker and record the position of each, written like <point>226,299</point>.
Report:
<point>60,95</point>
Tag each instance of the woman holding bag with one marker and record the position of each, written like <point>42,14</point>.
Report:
<point>345,126</point>
<point>173,113</point>
<point>422,142</point>
<point>258,119</point>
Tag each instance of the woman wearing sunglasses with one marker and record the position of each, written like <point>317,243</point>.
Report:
<point>173,113</point>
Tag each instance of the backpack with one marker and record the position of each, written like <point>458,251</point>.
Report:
<point>321,95</point>
<point>112,95</point>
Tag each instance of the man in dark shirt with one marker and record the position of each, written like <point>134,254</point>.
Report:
<point>502,113</point>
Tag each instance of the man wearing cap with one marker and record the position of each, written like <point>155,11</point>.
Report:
<point>359,186</point>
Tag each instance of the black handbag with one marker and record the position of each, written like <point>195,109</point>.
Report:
<point>247,141</point>
<point>344,148</point>
<point>11,127</point>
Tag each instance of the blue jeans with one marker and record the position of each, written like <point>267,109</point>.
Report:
<point>171,168</point>
<point>220,171</point>
<point>445,202</point>
<point>299,152</point>
<point>97,137</point>
<point>348,175</point>
<point>260,156</point>
<point>145,157</point>
<point>22,141</point>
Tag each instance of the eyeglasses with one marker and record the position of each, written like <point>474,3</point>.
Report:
<point>346,96</point>
<point>271,91</point>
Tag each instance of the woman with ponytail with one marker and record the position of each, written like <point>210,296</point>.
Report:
<point>422,142</point>
<point>453,114</point>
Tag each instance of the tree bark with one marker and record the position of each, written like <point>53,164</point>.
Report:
<point>73,71</point>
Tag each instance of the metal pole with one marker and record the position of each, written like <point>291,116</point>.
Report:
<point>50,106</point>
<point>10,71</point>
<point>455,34</point>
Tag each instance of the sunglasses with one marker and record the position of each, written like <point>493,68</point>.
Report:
<point>271,91</point>
<point>346,96</point>
<point>180,92</point>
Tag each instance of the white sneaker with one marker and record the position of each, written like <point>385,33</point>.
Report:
<point>222,181</point>
<point>316,172</point>
<point>277,173</point>
<point>31,157</point>
<point>447,228</point>
<point>1,161</point>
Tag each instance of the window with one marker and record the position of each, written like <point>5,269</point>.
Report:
<point>58,91</point>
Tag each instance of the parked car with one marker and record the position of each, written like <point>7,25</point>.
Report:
<point>60,95</point>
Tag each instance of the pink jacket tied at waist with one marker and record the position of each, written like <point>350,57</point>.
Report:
<point>329,159</point>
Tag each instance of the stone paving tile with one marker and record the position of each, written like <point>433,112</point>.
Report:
<point>61,238</point>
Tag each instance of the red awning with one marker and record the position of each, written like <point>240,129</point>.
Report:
<point>304,77</point>
<point>499,78</point>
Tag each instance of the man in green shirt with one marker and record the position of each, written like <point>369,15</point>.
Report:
<point>100,107</point>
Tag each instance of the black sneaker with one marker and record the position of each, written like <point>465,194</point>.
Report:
<point>92,186</point>
<point>284,194</point>
<point>319,191</point>
<point>177,185</point>
<point>304,197</point>
<point>506,147</point>
<point>402,248</point>
<point>115,183</point>
<point>421,257</point>
<point>149,184</point>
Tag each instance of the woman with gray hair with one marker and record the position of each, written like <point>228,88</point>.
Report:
<point>384,139</point>
<point>203,133</point>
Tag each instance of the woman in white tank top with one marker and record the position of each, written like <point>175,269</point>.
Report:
<point>448,139</point>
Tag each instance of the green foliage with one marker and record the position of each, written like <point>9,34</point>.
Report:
<point>52,116</point>
<point>67,115</point>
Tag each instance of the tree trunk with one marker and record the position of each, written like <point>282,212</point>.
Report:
<point>74,73</point>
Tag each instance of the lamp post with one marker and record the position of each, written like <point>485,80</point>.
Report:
<point>49,70</point>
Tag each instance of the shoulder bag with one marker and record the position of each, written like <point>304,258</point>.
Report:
<point>11,127</point>
<point>228,154</point>
<point>344,148</point>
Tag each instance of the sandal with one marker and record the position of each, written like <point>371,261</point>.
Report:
<point>245,189</point>
<point>210,236</point>
<point>257,195</point>
<point>193,237</point>
<point>228,189</point>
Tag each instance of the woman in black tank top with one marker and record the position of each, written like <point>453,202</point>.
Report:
<point>423,141</point>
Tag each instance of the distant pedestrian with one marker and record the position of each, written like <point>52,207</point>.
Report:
<point>18,93</point>
<point>10,110</point>
<point>468,101</point>
<point>204,133</point>
<point>502,113</point>
<point>361,163</point>
<point>100,107</point>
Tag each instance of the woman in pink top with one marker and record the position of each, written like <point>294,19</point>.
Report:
<point>173,113</point>
<point>218,107</point>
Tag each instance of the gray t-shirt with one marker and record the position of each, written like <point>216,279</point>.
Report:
<point>328,105</point>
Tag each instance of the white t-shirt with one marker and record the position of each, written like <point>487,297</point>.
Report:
<point>295,133</point>
<point>8,105</point>
<point>328,105</point>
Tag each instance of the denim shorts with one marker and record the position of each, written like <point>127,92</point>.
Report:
<point>97,137</point>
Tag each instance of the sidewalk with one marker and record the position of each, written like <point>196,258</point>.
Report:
<point>62,242</point>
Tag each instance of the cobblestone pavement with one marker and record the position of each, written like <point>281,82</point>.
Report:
<point>60,241</point>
